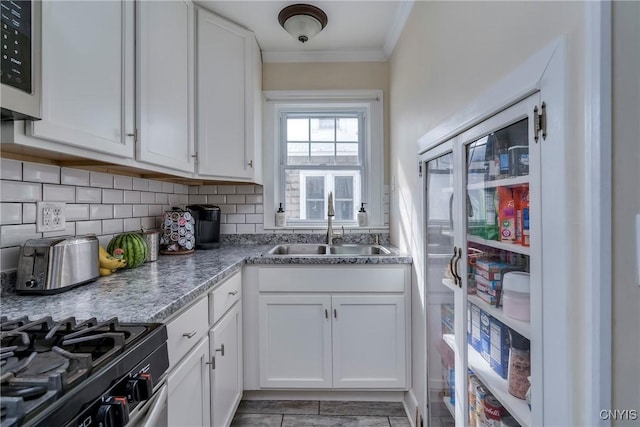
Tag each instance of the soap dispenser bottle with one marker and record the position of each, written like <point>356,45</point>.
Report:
<point>362,216</point>
<point>280,217</point>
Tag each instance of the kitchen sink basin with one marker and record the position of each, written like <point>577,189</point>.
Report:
<point>301,249</point>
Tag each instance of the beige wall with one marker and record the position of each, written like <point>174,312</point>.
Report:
<point>626,204</point>
<point>448,54</point>
<point>332,76</point>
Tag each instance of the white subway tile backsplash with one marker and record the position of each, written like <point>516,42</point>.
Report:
<point>14,235</point>
<point>162,198</point>
<point>9,258</point>
<point>199,199</point>
<point>88,195</point>
<point>167,187</point>
<point>101,211</point>
<point>246,228</point>
<point>58,193</point>
<point>70,176</point>
<point>149,222</point>
<point>155,186</point>
<point>155,210</point>
<point>122,182</point>
<point>178,200</point>
<point>180,189</point>
<point>77,212</point>
<point>102,180</point>
<point>69,230</point>
<point>10,169</point>
<point>131,197</point>
<point>112,226</point>
<point>245,209</point>
<point>16,191</point>
<point>245,189</point>
<point>28,213</point>
<point>193,189</point>
<point>226,189</point>
<point>38,172</point>
<point>104,240</point>
<point>10,213</point>
<point>216,200</point>
<point>140,184</point>
<point>122,211</point>
<point>131,224</point>
<point>235,219</point>
<point>228,209</point>
<point>259,208</point>
<point>112,196</point>
<point>89,227</point>
<point>235,199</point>
<point>254,218</point>
<point>208,189</point>
<point>227,228</point>
<point>147,197</point>
<point>258,189</point>
<point>140,210</point>
<point>259,228</point>
<point>254,199</point>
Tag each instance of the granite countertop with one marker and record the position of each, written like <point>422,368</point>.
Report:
<point>156,290</point>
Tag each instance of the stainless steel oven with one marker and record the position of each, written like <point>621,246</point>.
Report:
<point>20,69</point>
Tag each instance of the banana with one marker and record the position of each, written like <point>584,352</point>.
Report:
<point>105,272</point>
<point>110,263</point>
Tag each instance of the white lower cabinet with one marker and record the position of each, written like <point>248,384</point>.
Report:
<point>341,328</point>
<point>225,346</point>
<point>188,388</point>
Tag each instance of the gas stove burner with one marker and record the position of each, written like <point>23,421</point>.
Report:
<point>53,372</point>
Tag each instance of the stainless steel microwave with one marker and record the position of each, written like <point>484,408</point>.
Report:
<point>21,58</point>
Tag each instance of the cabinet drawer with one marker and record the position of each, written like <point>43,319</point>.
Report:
<point>186,330</point>
<point>223,297</point>
<point>332,279</point>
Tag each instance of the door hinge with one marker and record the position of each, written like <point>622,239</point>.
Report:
<point>540,122</point>
<point>195,157</point>
<point>134,135</point>
<point>420,169</point>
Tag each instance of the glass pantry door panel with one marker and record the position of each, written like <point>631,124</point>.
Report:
<point>440,285</point>
<point>498,239</point>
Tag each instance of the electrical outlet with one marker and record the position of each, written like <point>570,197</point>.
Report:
<point>50,216</point>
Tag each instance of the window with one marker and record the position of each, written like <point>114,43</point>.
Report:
<point>322,153</point>
<point>323,141</point>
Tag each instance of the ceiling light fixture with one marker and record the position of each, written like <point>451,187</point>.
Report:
<point>302,21</point>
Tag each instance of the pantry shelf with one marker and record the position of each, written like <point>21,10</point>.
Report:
<point>450,284</point>
<point>524,250</point>
<point>516,181</point>
<point>523,328</point>
<point>450,407</point>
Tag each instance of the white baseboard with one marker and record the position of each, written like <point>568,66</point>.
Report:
<point>360,396</point>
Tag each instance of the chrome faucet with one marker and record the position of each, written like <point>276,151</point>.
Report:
<point>330,214</point>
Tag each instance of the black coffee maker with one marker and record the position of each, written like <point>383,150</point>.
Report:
<point>207,225</point>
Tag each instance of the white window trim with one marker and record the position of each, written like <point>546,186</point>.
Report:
<point>330,177</point>
<point>371,101</point>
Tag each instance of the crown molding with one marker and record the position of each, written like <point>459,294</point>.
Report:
<point>360,55</point>
<point>399,20</point>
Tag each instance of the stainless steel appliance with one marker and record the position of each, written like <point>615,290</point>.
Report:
<point>57,264</point>
<point>207,225</point>
<point>20,70</point>
<point>88,373</point>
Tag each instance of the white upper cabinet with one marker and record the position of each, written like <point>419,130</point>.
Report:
<point>229,80</point>
<point>165,84</point>
<point>87,76</point>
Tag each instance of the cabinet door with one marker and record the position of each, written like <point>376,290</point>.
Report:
<point>87,76</point>
<point>369,341</point>
<point>295,341</point>
<point>165,83</point>
<point>225,341</point>
<point>224,81</point>
<point>188,387</point>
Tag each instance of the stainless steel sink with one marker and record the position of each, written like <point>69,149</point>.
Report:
<point>358,250</point>
<point>301,249</point>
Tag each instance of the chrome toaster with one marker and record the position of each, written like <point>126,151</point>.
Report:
<point>57,264</point>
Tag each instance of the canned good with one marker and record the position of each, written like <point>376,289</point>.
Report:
<point>474,382</point>
<point>493,411</point>
<point>519,160</point>
<point>481,393</point>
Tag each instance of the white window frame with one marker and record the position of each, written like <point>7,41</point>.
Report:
<point>370,102</point>
<point>329,177</point>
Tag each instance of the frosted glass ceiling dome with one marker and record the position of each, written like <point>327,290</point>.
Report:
<point>302,21</point>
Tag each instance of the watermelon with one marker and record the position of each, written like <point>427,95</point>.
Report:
<point>134,248</point>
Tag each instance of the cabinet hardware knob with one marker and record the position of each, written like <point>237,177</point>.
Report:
<point>189,334</point>
<point>221,349</point>
<point>335,313</point>
<point>326,313</point>
<point>233,292</point>
<point>250,163</point>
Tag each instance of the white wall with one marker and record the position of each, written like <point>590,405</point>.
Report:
<point>448,54</point>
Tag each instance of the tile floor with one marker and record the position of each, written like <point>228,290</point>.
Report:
<point>303,413</point>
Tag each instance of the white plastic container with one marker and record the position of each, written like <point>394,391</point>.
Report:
<point>516,295</point>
